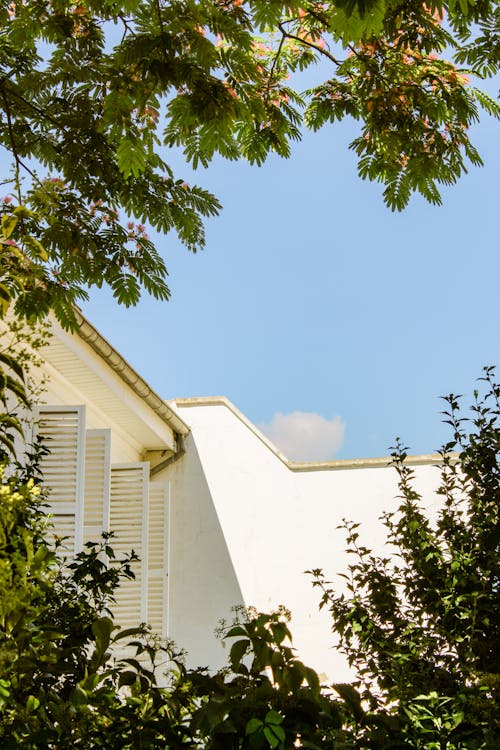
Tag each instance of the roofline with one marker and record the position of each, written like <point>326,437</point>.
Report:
<point>352,463</point>
<point>131,377</point>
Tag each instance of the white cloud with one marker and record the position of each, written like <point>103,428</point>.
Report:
<point>305,436</point>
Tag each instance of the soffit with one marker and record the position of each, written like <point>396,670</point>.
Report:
<point>84,370</point>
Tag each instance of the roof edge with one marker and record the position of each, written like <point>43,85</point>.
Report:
<point>126,372</point>
<point>335,465</point>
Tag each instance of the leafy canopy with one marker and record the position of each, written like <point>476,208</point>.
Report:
<point>93,95</point>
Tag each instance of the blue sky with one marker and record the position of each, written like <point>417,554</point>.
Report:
<point>313,297</point>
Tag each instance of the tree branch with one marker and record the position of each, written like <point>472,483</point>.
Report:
<point>13,144</point>
<point>41,112</point>
<point>20,164</point>
<point>160,19</point>
<point>323,51</point>
<point>127,27</point>
<point>273,66</point>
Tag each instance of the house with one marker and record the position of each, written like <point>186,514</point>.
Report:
<point>219,517</point>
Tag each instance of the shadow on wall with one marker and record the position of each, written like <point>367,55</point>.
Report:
<point>203,585</point>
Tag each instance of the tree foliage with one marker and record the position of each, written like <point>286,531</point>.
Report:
<point>421,625</point>
<point>94,94</point>
<point>20,345</point>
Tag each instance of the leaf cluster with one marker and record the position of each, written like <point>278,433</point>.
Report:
<point>93,96</point>
<point>268,697</point>
<point>59,681</point>
<point>20,344</point>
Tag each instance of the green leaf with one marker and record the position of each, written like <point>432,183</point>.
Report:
<point>253,725</point>
<point>272,736</point>
<point>102,629</point>
<point>79,696</point>
<point>32,704</point>
<point>127,633</point>
<point>5,299</point>
<point>132,157</point>
<point>5,688</point>
<point>235,631</point>
<point>9,223</point>
<point>36,246</point>
<point>273,717</point>
<point>238,650</point>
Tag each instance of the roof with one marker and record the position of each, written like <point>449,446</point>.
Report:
<point>126,372</point>
<point>98,374</point>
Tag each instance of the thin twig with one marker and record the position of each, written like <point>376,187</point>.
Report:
<point>127,27</point>
<point>160,19</point>
<point>318,17</point>
<point>273,66</point>
<point>17,159</point>
<point>323,51</point>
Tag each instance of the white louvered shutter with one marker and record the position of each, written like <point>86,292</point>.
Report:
<point>97,482</point>
<point>63,428</point>
<point>158,558</point>
<point>129,524</point>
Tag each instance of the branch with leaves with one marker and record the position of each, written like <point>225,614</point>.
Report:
<point>89,120</point>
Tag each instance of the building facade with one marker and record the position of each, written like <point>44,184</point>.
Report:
<point>218,516</point>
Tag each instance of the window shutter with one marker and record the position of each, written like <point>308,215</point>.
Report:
<point>158,558</point>
<point>97,481</point>
<point>63,428</point>
<point>129,523</point>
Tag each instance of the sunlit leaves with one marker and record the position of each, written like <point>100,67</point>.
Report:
<point>351,23</point>
<point>94,95</point>
<point>132,157</point>
<point>416,110</point>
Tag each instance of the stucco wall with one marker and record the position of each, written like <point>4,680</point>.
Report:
<point>244,525</point>
<point>203,585</point>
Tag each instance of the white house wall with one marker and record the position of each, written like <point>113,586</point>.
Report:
<point>245,527</point>
<point>203,584</point>
<point>243,523</point>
